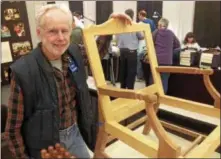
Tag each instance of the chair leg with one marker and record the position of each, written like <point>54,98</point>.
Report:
<point>147,127</point>
<point>102,139</point>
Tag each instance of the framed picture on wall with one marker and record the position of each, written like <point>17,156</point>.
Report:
<point>5,32</point>
<point>5,73</point>
<point>15,35</point>
<point>11,14</point>
<point>20,48</point>
<point>19,29</point>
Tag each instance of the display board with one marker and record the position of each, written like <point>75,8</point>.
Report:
<point>206,24</point>
<point>15,35</point>
<point>76,6</point>
<point>103,10</point>
<point>150,7</point>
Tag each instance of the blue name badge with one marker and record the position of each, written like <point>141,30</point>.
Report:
<point>72,66</point>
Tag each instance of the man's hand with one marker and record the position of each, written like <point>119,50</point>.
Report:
<point>122,17</point>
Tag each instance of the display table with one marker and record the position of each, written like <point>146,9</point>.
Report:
<point>191,87</point>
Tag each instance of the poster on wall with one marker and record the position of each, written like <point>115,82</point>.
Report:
<point>5,73</point>
<point>5,32</point>
<point>19,29</point>
<point>20,48</point>
<point>6,52</point>
<point>15,35</point>
<point>11,14</point>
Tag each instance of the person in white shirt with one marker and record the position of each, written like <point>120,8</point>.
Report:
<point>78,22</point>
<point>78,18</point>
<point>190,42</point>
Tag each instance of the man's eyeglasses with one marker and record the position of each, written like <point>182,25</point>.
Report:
<point>56,32</point>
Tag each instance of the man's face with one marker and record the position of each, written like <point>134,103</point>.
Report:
<point>140,17</point>
<point>55,33</point>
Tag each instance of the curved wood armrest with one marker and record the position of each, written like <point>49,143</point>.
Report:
<point>212,91</point>
<point>184,70</point>
<point>126,93</point>
<point>205,72</point>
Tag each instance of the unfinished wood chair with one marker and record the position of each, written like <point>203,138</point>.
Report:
<point>130,102</point>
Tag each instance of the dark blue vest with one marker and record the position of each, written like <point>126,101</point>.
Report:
<point>40,128</point>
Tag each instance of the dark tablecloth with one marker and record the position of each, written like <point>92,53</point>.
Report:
<point>192,87</point>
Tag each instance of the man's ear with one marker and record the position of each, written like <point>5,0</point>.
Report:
<point>38,31</point>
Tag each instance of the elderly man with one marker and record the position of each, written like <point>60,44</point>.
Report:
<point>49,101</point>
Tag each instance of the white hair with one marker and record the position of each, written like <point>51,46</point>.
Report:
<point>163,22</point>
<point>44,9</point>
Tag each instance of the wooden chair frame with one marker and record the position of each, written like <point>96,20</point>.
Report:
<point>130,102</point>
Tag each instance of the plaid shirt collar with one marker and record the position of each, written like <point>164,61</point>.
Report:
<point>65,63</point>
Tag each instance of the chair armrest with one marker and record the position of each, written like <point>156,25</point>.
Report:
<point>212,91</point>
<point>126,93</point>
<point>205,72</point>
<point>184,70</point>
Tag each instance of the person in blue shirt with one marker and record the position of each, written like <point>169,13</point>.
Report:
<point>142,16</point>
<point>128,44</point>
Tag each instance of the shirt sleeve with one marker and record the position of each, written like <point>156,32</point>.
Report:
<point>153,26</point>
<point>183,46</point>
<point>119,42</point>
<point>14,121</point>
<point>176,42</point>
<point>140,35</point>
<point>197,46</point>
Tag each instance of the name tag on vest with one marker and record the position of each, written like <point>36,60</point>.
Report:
<point>72,65</point>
